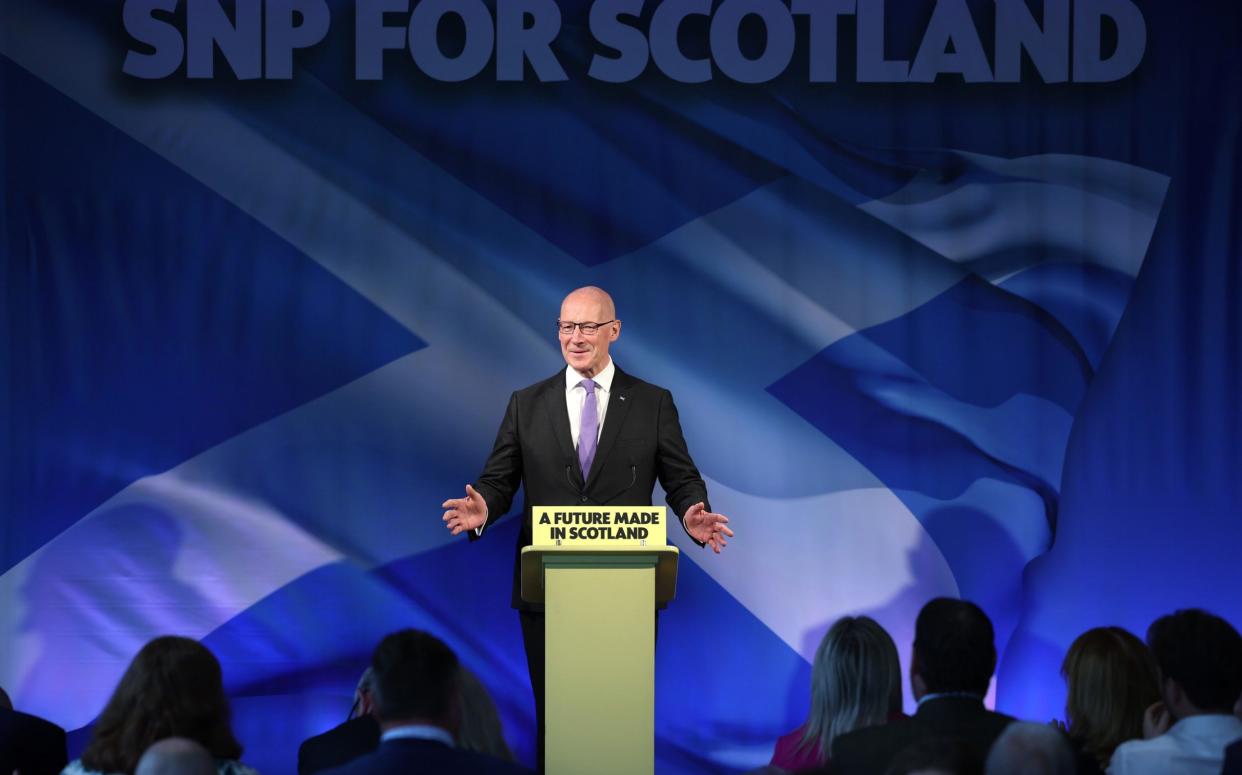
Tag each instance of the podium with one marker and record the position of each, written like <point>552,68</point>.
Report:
<point>599,610</point>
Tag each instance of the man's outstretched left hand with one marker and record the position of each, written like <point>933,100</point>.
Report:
<point>707,527</point>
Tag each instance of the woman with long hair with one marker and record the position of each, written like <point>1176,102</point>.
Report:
<point>1112,680</point>
<point>172,688</point>
<point>855,683</point>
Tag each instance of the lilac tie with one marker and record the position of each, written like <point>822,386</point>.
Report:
<point>588,429</point>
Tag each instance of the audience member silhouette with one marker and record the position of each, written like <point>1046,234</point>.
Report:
<point>418,704</point>
<point>172,688</point>
<point>1199,657</point>
<point>1030,749</point>
<point>953,659</point>
<point>1111,679</point>
<point>176,756</point>
<point>29,744</point>
<point>481,729</point>
<point>356,736</point>
<point>855,683</point>
<point>936,756</point>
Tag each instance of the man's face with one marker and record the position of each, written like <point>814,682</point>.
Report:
<point>588,353</point>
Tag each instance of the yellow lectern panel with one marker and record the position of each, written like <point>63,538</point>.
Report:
<point>598,526</point>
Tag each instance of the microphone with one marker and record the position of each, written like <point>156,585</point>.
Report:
<point>633,479</point>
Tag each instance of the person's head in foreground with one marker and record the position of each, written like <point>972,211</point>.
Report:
<point>415,681</point>
<point>855,682</point>
<point>1111,680</point>
<point>954,649</point>
<point>1030,749</point>
<point>1199,656</point>
<point>176,756</point>
<point>480,728</point>
<point>172,688</point>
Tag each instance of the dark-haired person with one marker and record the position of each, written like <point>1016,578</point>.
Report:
<point>1200,660</point>
<point>172,688</point>
<point>1111,679</point>
<point>417,701</point>
<point>480,729</point>
<point>954,656</point>
<point>855,683</point>
<point>29,744</point>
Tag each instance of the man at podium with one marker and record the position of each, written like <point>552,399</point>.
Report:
<point>588,435</point>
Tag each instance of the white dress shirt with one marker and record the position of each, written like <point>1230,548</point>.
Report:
<point>1193,746</point>
<point>419,732</point>
<point>575,398</point>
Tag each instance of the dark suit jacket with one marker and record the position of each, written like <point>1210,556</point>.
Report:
<point>869,751</point>
<point>30,744</point>
<point>426,757</point>
<point>339,745</point>
<point>1233,759</point>
<point>641,442</point>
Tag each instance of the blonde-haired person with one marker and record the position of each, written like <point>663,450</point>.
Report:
<point>1112,679</point>
<point>481,730</point>
<point>855,683</point>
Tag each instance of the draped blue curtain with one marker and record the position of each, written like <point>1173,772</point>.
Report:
<point>936,339</point>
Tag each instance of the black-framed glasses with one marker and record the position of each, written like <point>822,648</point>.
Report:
<point>568,326</point>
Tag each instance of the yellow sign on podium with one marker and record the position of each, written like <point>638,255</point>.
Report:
<point>599,526</point>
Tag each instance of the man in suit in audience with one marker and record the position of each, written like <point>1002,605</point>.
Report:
<point>1233,754</point>
<point>417,704</point>
<point>1200,661</point>
<point>954,656</point>
<point>358,735</point>
<point>1233,759</point>
<point>29,744</point>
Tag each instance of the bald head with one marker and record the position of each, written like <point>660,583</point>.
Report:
<point>176,756</point>
<point>590,294</point>
<point>587,352</point>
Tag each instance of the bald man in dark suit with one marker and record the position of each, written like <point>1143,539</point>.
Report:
<point>634,439</point>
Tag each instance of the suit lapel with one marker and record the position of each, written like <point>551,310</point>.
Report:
<point>614,418</point>
<point>554,405</point>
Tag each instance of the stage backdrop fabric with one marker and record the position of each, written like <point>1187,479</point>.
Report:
<point>977,340</point>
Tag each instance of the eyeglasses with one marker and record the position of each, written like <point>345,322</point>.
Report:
<point>567,327</point>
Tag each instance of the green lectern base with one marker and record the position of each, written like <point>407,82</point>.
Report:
<point>599,608</point>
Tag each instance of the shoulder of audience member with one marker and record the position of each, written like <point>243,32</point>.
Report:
<point>865,739</point>
<point>493,764</point>
<point>1124,753</point>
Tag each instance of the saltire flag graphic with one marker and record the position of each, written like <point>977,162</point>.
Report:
<point>252,340</point>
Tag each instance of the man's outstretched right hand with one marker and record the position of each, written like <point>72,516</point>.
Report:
<point>468,513</point>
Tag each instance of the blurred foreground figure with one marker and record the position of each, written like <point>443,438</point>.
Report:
<point>173,688</point>
<point>29,744</point>
<point>176,756</point>
<point>418,704</point>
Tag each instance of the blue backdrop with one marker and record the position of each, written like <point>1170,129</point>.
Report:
<point>938,339</point>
